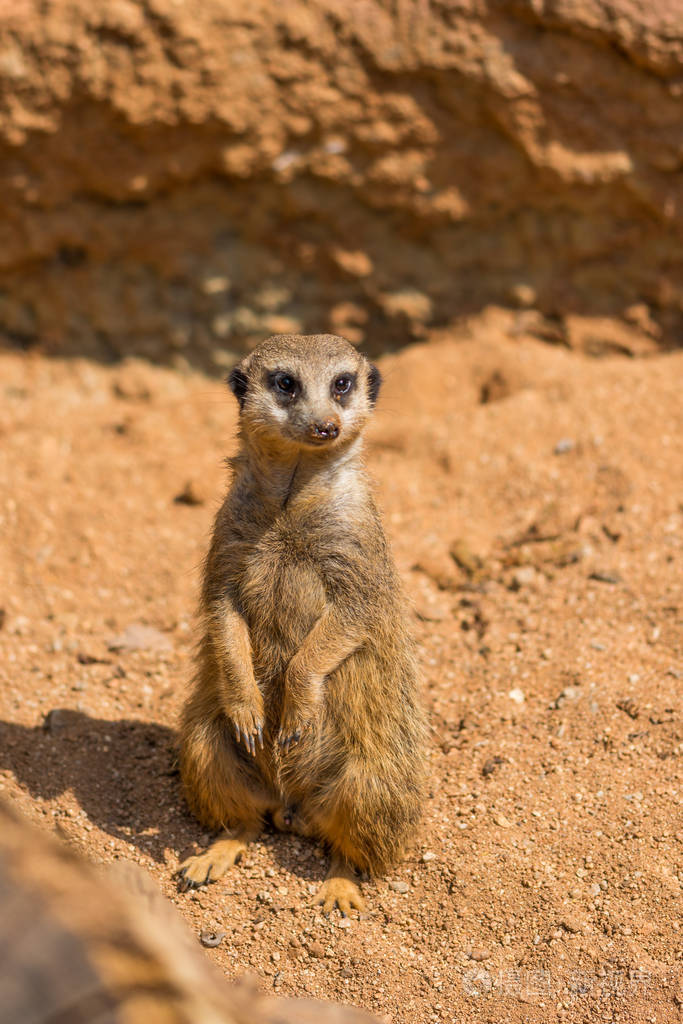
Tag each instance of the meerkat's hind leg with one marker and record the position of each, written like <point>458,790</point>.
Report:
<point>214,862</point>
<point>340,889</point>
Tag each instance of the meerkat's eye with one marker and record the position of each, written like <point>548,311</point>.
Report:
<point>285,383</point>
<point>342,384</point>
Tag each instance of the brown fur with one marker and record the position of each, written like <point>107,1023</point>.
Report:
<point>83,946</point>
<point>305,703</point>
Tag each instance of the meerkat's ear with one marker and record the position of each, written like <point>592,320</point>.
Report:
<point>238,383</point>
<point>374,381</point>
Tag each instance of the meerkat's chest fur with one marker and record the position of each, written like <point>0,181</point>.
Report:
<point>283,591</point>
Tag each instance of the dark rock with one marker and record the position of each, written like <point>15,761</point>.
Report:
<point>191,494</point>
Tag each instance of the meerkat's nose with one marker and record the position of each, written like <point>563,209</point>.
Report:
<point>323,431</point>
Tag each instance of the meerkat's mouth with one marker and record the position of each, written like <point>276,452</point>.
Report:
<point>319,442</point>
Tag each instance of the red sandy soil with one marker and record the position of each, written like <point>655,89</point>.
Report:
<point>533,499</point>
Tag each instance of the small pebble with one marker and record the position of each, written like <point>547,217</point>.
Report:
<point>463,556</point>
<point>211,939</point>
<point>605,577</point>
<point>569,693</point>
<point>138,637</point>
<point>426,857</point>
<point>523,295</point>
<point>525,576</point>
<point>490,766</point>
<point>190,495</point>
<point>502,821</point>
<point>517,695</point>
<point>479,954</point>
<point>563,446</point>
<point>215,285</point>
<point>316,949</point>
<point>629,707</point>
<point>399,886</point>
<point>56,719</point>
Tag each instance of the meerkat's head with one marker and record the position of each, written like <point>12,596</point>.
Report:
<point>305,391</point>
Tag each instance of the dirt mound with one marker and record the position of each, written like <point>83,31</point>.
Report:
<point>179,179</point>
<point>532,498</point>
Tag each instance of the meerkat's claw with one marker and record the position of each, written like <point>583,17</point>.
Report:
<point>212,864</point>
<point>248,736</point>
<point>185,883</point>
<point>290,740</point>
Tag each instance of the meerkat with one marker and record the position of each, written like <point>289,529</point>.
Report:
<point>304,706</point>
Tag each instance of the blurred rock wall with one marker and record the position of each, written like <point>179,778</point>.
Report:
<point>181,177</point>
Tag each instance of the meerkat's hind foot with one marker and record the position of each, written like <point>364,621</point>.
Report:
<point>340,889</point>
<point>213,863</point>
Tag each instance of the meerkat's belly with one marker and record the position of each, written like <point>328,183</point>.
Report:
<point>283,595</point>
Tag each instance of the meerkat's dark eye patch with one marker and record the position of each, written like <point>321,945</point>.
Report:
<point>374,382</point>
<point>284,384</point>
<point>237,382</point>
<point>343,384</point>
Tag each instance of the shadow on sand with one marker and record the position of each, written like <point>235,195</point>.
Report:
<point>123,775</point>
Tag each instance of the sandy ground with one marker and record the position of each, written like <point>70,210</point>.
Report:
<point>533,500</point>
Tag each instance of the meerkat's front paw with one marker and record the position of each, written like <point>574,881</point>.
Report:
<point>294,724</point>
<point>248,725</point>
<point>341,892</point>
